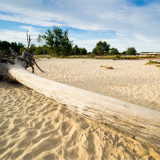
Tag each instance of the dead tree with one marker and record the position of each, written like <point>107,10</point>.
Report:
<point>11,59</point>
<point>139,122</point>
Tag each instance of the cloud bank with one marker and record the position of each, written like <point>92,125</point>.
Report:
<point>134,24</point>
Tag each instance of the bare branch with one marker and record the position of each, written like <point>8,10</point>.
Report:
<point>38,67</point>
<point>6,60</point>
<point>28,41</point>
<point>26,60</point>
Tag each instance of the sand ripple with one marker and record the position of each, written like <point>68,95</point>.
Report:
<point>34,127</point>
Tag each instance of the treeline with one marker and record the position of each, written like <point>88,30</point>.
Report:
<point>18,47</point>
<point>57,43</point>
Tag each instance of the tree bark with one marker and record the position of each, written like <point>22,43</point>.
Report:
<point>139,122</point>
<point>4,72</point>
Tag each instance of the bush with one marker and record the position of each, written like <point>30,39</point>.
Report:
<point>51,52</point>
<point>21,50</point>
<point>83,51</point>
<point>102,48</point>
<point>39,50</point>
<point>114,51</point>
<point>131,51</point>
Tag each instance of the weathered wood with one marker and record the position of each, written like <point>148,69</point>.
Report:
<point>26,60</point>
<point>140,122</point>
<point>4,73</point>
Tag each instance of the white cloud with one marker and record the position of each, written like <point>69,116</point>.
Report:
<point>19,36</point>
<point>139,23</point>
<point>28,19</point>
<point>122,43</point>
<point>13,36</point>
<point>29,29</point>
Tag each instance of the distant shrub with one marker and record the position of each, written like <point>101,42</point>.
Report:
<point>116,57</point>
<point>131,51</point>
<point>102,48</point>
<point>51,52</point>
<point>114,51</point>
<point>129,57</point>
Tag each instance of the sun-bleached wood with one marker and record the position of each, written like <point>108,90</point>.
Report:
<point>139,122</point>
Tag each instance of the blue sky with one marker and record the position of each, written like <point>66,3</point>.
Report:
<point>121,23</point>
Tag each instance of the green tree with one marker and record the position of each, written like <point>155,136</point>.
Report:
<point>76,50</point>
<point>58,40</point>
<point>66,46</point>
<point>40,50</point>
<point>102,48</point>
<point>17,47</point>
<point>4,45</point>
<point>114,51</point>
<point>21,50</point>
<point>131,51</point>
<point>83,51</point>
<point>14,46</point>
<point>32,48</point>
<point>124,52</point>
<point>94,51</point>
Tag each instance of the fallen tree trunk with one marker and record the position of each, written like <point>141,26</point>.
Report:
<point>141,123</point>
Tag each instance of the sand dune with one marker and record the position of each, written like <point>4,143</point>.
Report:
<point>35,127</point>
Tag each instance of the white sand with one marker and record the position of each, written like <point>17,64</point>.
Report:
<point>35,127</point>
<point>130,80</point>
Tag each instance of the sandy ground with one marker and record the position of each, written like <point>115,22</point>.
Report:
<point>35,127</point>
<point>130,80</point>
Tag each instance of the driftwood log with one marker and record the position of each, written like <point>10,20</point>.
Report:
<point>139,122</point>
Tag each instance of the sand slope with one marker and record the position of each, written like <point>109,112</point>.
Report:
<point>34,127</point>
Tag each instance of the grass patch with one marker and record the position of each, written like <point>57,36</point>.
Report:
<point>152,63</point>
<point>113,57</point>
<point>43,56</point>
<point>158,56</point>
<point>92,56</point>
<point>81,56</point>
<point>157,64</point>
